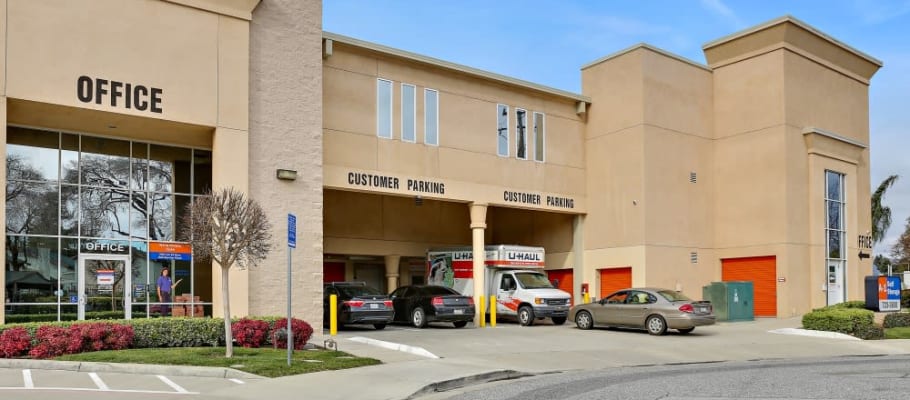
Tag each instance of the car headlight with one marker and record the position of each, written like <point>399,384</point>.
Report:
<point>538,300</point>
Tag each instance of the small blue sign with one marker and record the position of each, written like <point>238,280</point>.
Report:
<point>73,299</point>
<point>292,231</point>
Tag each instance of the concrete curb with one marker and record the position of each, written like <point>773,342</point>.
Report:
<point>417,351</point>
<point>148,369</point>
<point>450,384</point>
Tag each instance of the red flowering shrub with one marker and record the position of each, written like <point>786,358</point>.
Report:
<point>250,332</point>
<point>14,342</point>
<point>302,333</point>
<point>53,341</point>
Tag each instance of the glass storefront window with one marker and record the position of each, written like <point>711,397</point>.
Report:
<point>65,189</point>
<point>31,269</point>
<point>31,208</point>
<point>32,155</point>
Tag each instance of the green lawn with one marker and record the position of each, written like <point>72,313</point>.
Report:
<point>897,333</point>
<point>263,361</point>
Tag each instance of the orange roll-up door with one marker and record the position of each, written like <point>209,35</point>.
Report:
<point>563,278</point>
<point>613,279</point>
<point>762,271</point>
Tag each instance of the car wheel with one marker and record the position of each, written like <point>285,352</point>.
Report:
<point>584,320</point>
<point>656,325</point>
<point>686,331</point>
<point>418,318</point>
<point>460,324</point>
<point>526,316</point>
<point>558,320</point>
<point>379,327</point>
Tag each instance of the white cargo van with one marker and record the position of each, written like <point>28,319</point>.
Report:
<point>514,274</point>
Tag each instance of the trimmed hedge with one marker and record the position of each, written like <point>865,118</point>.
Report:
<point>844,319</point>
<point>177,332</point>
<point>897,320</point>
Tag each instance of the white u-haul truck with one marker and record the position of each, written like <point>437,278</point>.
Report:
<point>514,274</point>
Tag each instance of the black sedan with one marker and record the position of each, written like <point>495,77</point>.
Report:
<point>358,304</point>
<point>419,305</point>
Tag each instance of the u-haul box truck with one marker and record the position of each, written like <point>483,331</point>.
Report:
<point>515,274</point>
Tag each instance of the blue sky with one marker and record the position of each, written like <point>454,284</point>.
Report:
<point>546,42</point>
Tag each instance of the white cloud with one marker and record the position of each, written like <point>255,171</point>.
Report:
<point>718,7</point>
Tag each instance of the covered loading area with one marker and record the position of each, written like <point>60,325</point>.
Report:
<point>382,239</point>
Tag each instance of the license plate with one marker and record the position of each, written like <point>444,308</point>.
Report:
<point>374,305</point>
<point>459,311</point>
<point>702,309</point>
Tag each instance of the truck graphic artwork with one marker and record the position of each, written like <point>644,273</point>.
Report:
<point>514,274</point>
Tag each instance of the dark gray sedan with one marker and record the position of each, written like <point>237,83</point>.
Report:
<point>652,309</point>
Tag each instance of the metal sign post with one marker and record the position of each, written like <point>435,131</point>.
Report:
<point>292,243</point>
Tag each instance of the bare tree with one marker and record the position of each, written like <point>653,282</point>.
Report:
<point>230,229</point>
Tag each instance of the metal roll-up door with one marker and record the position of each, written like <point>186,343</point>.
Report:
<point>613,279</point>
<point>762,271</point>
<point>562,279</point>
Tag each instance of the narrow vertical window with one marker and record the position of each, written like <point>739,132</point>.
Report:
<point>835,233</point>
<point>521,133</point>
<point>539,137</point>
<point>384,108</point>
<point>431,117</point>
<point>502,130</point>
<point>408,113</point>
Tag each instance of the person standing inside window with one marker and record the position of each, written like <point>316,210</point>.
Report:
<point>164,291</point>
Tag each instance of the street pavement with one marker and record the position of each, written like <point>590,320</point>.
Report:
<point>421,362</point>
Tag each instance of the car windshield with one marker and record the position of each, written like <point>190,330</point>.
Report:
<point>534,280</point>
<point>673,296</point>
<point>438,290</point>
<point>354,291</point>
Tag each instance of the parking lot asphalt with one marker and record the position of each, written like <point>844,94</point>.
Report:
<point>422,361</point>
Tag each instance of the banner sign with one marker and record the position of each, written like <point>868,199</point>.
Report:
<point>105,276</point>
<point>170,251</point>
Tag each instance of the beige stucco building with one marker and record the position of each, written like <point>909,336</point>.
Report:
<point>662,172</point>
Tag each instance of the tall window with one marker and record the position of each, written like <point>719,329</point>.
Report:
<point>67,193</point>
<point>539,138</point>
<point>431,117</point>
<point>384,108</point>
<point>502,130</point>
<point>521,133</point>
<point>835,228</point>
<point>408,113</point>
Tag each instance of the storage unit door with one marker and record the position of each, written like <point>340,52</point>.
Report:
<point>332,272</point>
<point>762,271</point>
<point>562,279</point>
<point>613,279</point>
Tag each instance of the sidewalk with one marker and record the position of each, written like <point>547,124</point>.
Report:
<point>510,351</point>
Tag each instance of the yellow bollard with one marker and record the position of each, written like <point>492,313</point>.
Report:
<point>333,314</point>
<point>587,298</point>
<point>492,311</point>
<point>482,311</point>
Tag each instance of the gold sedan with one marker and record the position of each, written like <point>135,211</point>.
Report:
<point>651,309</point>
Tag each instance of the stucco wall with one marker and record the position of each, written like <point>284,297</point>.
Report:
<point>286,133</point>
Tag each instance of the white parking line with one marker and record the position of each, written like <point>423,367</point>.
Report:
<point>419,351</point>
<point>237,381</point>
<point>172,384</point>
<point>98,382</point>
<point>27,378</point>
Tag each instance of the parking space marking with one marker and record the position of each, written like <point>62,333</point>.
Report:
<point>98,382</point>
<point>27,379</point>
<point>237,381</point>
<point>173,385</point>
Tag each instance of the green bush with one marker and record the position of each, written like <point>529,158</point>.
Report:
<point>178,332</point>
<point>905,298</point>
<point>897,320</point>
<point>851,321</point>
<point>850,304</point>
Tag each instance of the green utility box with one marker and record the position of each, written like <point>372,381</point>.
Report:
<point>732,300</point>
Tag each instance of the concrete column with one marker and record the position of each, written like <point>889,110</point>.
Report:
<point>405,274</point>
<point>578,258</point>
<point>3,294</point>
<point>478,225</point>
<point>392,263</point>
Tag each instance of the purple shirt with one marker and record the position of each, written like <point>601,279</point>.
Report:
<point>164,284</point>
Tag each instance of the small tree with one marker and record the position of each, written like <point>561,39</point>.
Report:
<point>881,214</point>
<point>230,229</point>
